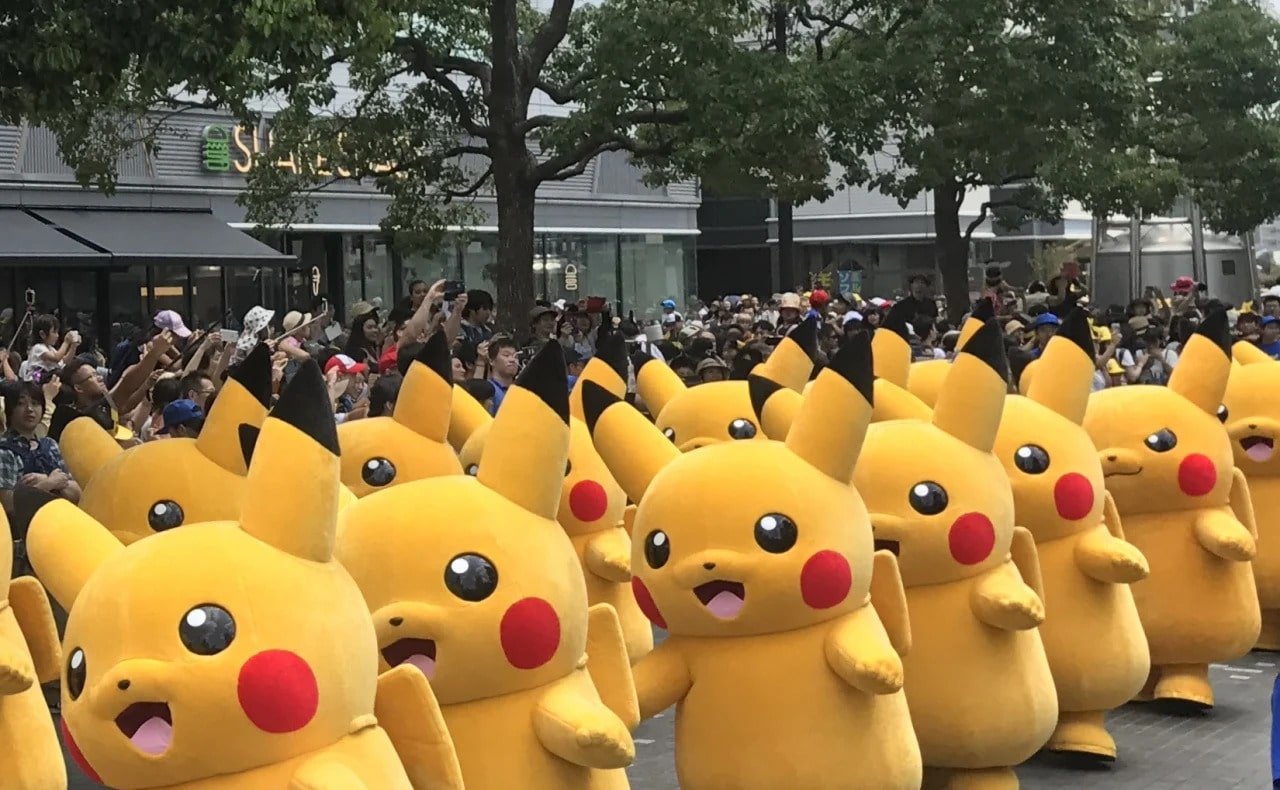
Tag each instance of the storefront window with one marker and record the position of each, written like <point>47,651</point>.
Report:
<point>430,267</point>
<point>79,308</point>
<point>378,278</point>
<point>206,297</point>
<point>169,290</point>
<point>654,268</point>
<point>244,291</point>
<point>578,267</point>
<point>479,262</point>
<point>126,295</point>
<point>312,262</point>
<point>352,270</point>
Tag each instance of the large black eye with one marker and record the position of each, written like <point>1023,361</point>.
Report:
<point>775,533</point>
<point>742,429</point>
<point>76,672</point>
<point>1162,441</point>
<point>378,472</point>
<point>471,577</point>
<point>473,469</point>
<point>928,498</point>
<point>670,433</point>
<point>207,630</point>
<point>657,549</point>
<point>1031,458</point>
<point>165,514</point>
<point>1223,414</point>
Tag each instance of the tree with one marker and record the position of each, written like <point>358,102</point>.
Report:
<point>430,99</point>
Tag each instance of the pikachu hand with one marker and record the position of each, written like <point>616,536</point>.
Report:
<point>1110,560</point>
<point>16,673</point>
<point>1001,600</point>
<point>608,555</point>
<point>1223,536</point>
<point>859,651</point>
<point>579,729</point>
<point>608,744</point>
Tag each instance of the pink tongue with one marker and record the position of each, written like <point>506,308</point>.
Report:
<point>725,605</point>
<point>153,737</point>
<point>1259,451</point>
<point>426,665</point>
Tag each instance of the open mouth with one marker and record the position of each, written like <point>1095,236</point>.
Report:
<point>148,726</point>
<point>723,599</point>
<point>891,546</point>
<point>1258,448</point>
<point>420,653</point>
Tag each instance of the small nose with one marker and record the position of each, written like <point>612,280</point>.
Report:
<point>1253,426</point>
<point>396,620</point>
<point>711,566</point>
<point>1111,458</point>
<point>123,685</point>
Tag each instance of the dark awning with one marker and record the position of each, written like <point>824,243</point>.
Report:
<point>26,240</point>
<point>157,238</point>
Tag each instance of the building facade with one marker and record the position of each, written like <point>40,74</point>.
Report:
<point>164,239</point>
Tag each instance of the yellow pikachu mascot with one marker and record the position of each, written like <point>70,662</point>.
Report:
<point>1168,464</point>
<point>927,378</point>
<point>412,443</point>
<point>30,757</point>
<point>981,694</point>
<point>720,411</point>
<point>592,504</point>
<point>1092,635</point>
<point>757,557</point>
<point>892,350</point>
<point>164,484</point>
<point>1252,417</point>
<point>231,654</point>
<point>486,598</point>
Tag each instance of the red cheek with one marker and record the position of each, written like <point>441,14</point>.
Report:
<point>1073,496</point>
<point>530,633</point>
<point>645,601</point>
<point>588,501</point>
<point>76,755</point>
<point>825,580</point>
<point>278,691</point>
<point>972,537</point>
<point>1197,475</point>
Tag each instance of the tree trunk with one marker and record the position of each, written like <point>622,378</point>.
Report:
<point>515,194</point>
<point>952,250</point>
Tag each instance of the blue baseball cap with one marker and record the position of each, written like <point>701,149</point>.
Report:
<point>668,304</point>
<point>1046,319</point>
<point>180,412</point>
<point>1269,319</point>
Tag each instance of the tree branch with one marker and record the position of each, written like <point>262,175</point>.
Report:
<point>547,39</point>
<point>466,119</point>
<point>459,150</point>
<point>537,122</point>
<point>983,213</point>
<point>450,195</point>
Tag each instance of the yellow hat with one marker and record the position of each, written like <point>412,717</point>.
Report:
<point>1101,334</point>
<point>1114,367</point>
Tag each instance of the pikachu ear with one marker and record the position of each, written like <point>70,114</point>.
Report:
<point>243,400</point>
<point>656,384</point>
<point>87,448</point>
<point>292,491</point>
<point>983,311</point>
<point>466,417</point>
<point>896,403</point>
<point>426,396</point>
<point>1066,377</point>
<point>528,445</point>
<point>791,363</point>
<point>633,449</point>
<point>1204,365</point>
<point>775,406</point>
<point>890,346</point>
<point>608,368</point>
<point>828,431</point>
<point>1246,353</point>
<point>65,544</point>
<point>972,397</point>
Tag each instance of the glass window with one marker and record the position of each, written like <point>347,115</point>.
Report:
<point>169,290</point>
<point>429,267</point>
<point>479,263</point>
<point>80,304</point>
<point>126,295</point>
<point>244,291</point>
<point>312,252</point>
<point>352,270</point>
<point>206,297</point>
<point>378,278</point>
<point>578,267</point>
<point>654,268</point>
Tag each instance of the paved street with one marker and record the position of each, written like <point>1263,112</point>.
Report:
<point>1229,748</point>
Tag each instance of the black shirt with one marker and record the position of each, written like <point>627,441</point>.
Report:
<point>100,412</point>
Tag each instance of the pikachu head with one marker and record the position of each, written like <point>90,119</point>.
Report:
<point>157,486</point>
<point>485,595</point>
<point>693,417</point>
<point>742,538</point>
<point>938,497</point>
<point>1050,460</point>
<point>220,647</point>
<point>927,378</point>
<point>1251,413</point>
<point>1165,448</point>
<point>412,443</point>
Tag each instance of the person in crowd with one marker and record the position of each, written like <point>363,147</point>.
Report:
<point>504,364</point>
<point>256,329</point>
<point>166,389</point>
<point>1044,328</point>
<point>575,362</point>
<point>477,317</point>
<point>297,331</point>
<point>542,327</point>
<point>686,368</point>
<point>383,395</point>
<point>199,388</point>
<point>1269,341</point>
<point>27,459</point>
<point>712,369</point>
<point>364,345</point>
<point>924,309</point>
<point>171,321</point>
<point>183,419</point>
<point>669,308</point>
<point>85,393</point>
<point>46,355</point>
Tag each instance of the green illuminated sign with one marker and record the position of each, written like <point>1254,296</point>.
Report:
<point>216,149</point>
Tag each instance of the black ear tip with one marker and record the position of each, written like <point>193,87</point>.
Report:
<point>639,359</point>
<point>983,310</point>
<point>1216,327</point>
<point>595,399</point>
<point>435,355</point>
<point>760,389</point>
<point>896,320</point>
<point>304,404</point>
<point>806,336</point>
<point>855,364</point>
<point>547,377</point>
<point>27,501</point>
<point>987,344</point>
<point>613,351</point>
<point>1075,327</point>
<point>254,374</point>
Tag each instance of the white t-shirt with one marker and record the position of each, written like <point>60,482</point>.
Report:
<point>36,361</point>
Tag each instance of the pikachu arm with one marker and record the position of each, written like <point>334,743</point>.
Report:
<point>326,773</point>
<point>890,601</point>
<point>662,679</point>
<point>581,730</point>
<point>860,652</point>
<point>407,710</point>
<point>1242,503</point>
<point>1001,599</point>
<point>1220,534</point>
<point>31,608</point>
<point>608,555</point>
<point>17,673</point>
<point>1104,556</point>
<point>609,666</point>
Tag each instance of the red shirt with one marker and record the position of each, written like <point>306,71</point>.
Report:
<point>387,362</point>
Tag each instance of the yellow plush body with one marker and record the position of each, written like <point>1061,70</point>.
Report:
<point>1253,424</point>
<point>486,598</point>
<point>30,757</point>
<point>230,654</point>
<point>1169,467</point>
<point>977,678</point>
<point>757,557</point>
<point>412,444</point>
